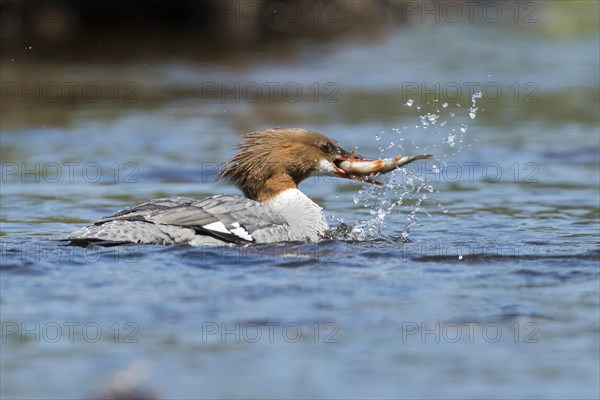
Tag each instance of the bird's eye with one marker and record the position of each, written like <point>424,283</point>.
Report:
<point>326,148</point>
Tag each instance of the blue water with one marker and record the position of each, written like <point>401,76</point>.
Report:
<point>495,296</point>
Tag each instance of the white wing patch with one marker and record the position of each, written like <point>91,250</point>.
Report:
<point>237,230</point>
<point>217,227</point>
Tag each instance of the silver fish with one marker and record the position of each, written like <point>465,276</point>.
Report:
<point>358,168</point>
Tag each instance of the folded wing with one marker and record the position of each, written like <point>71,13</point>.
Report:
<point>230,219</point>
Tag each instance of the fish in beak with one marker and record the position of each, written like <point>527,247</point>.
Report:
<point>352,166</point>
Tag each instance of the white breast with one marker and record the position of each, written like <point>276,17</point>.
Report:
<point>303,215</point>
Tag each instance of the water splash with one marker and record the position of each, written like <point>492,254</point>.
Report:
<point>428,119</point>
<point>450,139</point>
<point>409,190</point>
<point>473,109</point>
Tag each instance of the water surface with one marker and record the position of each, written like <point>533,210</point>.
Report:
<point>495,295</point>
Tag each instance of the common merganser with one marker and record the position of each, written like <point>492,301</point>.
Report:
<point>268,168</point>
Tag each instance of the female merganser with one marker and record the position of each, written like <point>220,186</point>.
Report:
<point>268,168</point>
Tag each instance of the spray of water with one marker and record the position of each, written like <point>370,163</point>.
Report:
<point>410,189</point>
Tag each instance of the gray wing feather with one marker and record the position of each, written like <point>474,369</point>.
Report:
<point>227,214</point>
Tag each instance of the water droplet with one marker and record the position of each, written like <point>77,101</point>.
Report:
<point>473,109</point>
<point>450,139</point>
<point>473,112</point>
<point>460,257</point>
<point>410,102</point>
<point>445,105</point>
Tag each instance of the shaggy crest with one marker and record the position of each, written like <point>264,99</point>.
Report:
<point>273,160</point>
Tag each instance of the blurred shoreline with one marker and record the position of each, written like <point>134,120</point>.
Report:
<point>64,61</point>
<point>116,31</point>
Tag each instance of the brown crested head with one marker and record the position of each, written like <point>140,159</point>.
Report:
<point>273,160</point>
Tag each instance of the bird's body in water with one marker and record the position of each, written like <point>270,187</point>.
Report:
<point>268,168</point>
